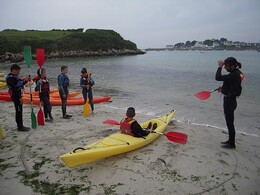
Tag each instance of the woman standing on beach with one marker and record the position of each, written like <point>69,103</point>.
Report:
<point>231,89</point>
<point>86,83</point>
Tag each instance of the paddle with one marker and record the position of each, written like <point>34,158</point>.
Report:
<point>1,133</point>
<point>86,107</point>
<point>177,137</point>
<point>40,61</point>
<point>203,95</point>
<point>28,60</point>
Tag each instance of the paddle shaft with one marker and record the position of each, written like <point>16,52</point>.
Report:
<point>214,90</point>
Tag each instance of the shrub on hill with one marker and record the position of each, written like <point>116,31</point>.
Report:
<point>12,40</point>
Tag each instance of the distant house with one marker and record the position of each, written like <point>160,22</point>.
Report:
<point>215,44</point>
<point>199,45</point>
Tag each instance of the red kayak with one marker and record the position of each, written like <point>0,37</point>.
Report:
<point>57,102</point>
<point>70,101</point>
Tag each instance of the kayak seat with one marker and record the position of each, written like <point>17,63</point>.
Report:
<point>149,125</point>
<point>154,126</point>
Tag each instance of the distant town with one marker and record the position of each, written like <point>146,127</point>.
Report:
<point>210,44</point>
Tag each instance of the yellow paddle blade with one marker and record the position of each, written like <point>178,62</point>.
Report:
<point>86,109</point>
<point>1,133</point>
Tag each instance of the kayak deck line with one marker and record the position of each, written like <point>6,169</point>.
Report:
<point>105,144</point>
<point>97,147</point>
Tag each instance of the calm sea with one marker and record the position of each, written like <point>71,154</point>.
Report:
<point>158,82</point>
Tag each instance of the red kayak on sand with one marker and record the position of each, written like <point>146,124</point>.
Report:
<point>70,101</point>
<point>5,96</point>
<point>57,102</point>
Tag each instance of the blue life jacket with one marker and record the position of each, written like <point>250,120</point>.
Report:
<point>63,80</point>
<point>19,82</point>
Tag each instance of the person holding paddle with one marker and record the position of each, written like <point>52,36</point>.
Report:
<point>42,84</point>
<point>130,126</point>
<point>86,83</point>
<point>15,85</point>
<point>231,89</point>
<point>63,84</point>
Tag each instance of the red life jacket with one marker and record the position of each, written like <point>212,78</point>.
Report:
<point>45,85</point>
<point>125,126</point>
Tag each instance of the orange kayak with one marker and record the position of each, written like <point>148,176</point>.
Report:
<point>71,101</point>
<point>5,96</point>
<point>53,95</point>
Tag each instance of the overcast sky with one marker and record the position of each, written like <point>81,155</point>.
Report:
<point>148,23</point>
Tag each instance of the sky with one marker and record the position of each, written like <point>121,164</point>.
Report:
<point>148,23</point>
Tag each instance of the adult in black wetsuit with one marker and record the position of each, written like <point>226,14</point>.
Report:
<point>231,89</point>
<point>15,85</point>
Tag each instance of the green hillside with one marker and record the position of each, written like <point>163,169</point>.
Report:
<point>63,40</point>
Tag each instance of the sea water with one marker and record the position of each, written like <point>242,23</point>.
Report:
<point>157,82</point>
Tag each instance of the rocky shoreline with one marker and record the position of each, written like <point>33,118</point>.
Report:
<point>18,57</point>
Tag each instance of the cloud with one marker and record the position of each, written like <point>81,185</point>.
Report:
<point>148,23</point>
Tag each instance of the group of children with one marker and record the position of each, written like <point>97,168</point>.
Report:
<point>128,125</point>
<point>42,85</point>
<point>16,85</point>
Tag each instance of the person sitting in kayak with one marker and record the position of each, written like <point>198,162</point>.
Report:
<point>130,126</point>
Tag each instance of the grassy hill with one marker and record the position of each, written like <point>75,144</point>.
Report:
<point>63,40</point>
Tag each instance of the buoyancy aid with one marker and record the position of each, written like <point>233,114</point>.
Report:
<point>125,126</point>
<point>45,84</point>
<point>45,87</point>
<point>87,82</point>
<point>18,86</point>
<point>65,80</point>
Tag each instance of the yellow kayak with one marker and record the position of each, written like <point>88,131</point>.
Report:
<point>114,144</point>
<point>2,84</point>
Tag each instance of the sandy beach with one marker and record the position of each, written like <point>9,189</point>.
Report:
<point>30,164</point>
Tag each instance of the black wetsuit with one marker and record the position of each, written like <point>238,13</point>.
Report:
<point>231,89</point>
<point>63,83</point>
<point>45,96</point>
<point>15,89</point>
<point>137,130</point>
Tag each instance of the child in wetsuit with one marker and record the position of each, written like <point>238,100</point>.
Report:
<point>86,83</point>
<point>130,126</point>
<point>43,86</point>
<point>63,83</point>
<point>15,85</point>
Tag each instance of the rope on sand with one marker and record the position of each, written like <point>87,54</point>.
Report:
<point>27,170</point>
<point>215,187</point>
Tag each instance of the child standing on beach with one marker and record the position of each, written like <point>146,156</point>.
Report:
<point>63,84</point>
<point>86,83</point>
<point>43,86</point>
<point>15,85</point>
